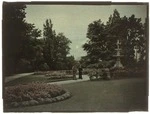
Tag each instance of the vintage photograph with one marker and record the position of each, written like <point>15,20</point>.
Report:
<point>75,56</point>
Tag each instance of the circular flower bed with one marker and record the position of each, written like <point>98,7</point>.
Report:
<point>34,94</point>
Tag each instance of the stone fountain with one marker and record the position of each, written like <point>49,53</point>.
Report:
<point>118,63</point>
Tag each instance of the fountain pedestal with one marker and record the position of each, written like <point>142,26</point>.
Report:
<point>118,63</point>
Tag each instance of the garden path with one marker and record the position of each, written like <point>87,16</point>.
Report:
<point>10,78</point>
<point>85,78</point>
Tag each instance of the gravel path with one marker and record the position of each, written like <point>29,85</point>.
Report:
<point>85,78</point>
<point>10,78</point>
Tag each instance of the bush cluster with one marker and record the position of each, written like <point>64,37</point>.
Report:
<point>44,67</point>
<point>41,72</point>
<point>67,72</point>
<point>58,75</point>
<point>61,74</point>
<point>127,73</point>
<point>33,92</point>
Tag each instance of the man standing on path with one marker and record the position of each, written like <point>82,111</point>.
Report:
<point>74,71</point>
<point>80,72</point>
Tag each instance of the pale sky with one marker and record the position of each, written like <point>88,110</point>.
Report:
<point>73,20</point>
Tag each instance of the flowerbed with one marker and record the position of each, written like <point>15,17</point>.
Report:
<point>58,75</point>
<point>41,72</point>
<point>98,74</point>
<point>61,74</point>
<point>66,72</point>
<point>33,94</point>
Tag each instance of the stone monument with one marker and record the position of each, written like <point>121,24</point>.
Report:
<point>118,63</point>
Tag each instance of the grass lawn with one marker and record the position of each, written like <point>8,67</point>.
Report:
<point>32,78</point>
<point>98,96</point>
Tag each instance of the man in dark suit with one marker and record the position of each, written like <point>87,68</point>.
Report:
<point>80,72</point>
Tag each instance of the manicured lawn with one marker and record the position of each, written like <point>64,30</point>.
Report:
<point>101,96</point>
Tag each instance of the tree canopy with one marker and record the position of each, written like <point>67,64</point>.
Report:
<point>14,28</point>
<point>56,47</point>
<point>24,47</point>
<point>102,39</point>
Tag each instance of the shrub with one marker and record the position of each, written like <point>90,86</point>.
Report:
<point>101,64</point>
<point>24,66</point>
<point>44,67</point>
<point>127,73</point>
<point>68,72</point>
<point>40,72</point>
<point>58,75</point>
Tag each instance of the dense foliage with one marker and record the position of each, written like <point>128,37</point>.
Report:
<point>24,48</point>
<point>14,28</point>
<point>56,47</point>
<point>102,40</point>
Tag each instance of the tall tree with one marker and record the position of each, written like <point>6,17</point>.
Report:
<point>56,47</point>
<point>70,61</point>
<point>62,49</point>
<point>130,32</point>
<point>31,48</point>
<point>96,46</point>
<point>132,37</point>
<point>13,33</point>
<point>49,36</point>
